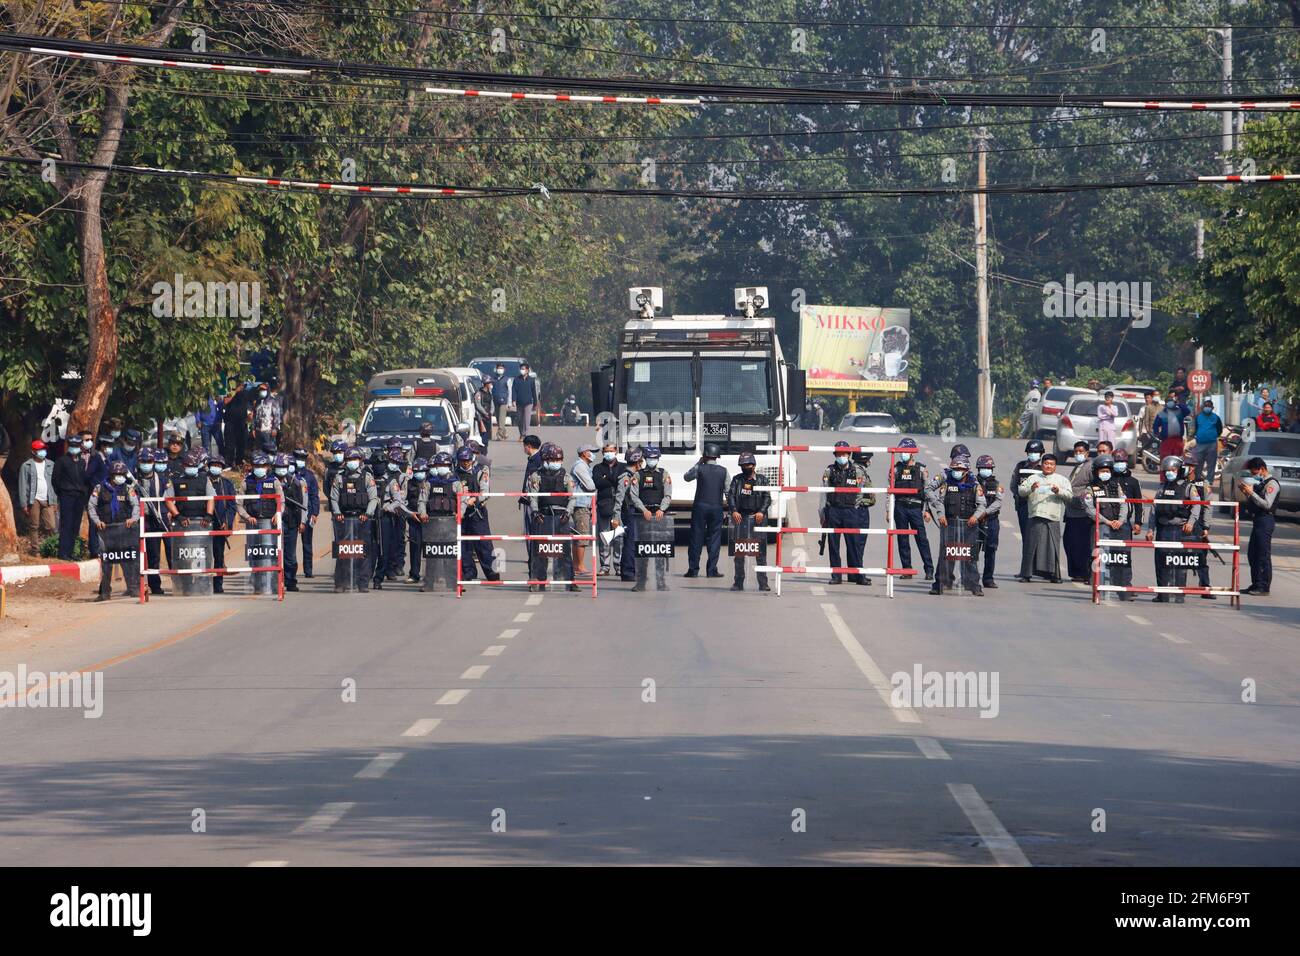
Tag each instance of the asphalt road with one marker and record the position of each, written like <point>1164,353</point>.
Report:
<point>698,726</point>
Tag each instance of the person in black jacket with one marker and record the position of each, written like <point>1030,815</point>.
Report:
<point>748,508</point>
<point>223,517</point>
<point>706,512</point>
<point>73,490</point>
<point>606,474</point>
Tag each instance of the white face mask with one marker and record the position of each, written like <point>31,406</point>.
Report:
<point>88,444</point>
<point>282,471</point>
<point>215,471</point>
<point>986,472</point>
<point>1035,455</point>
<point>552,465</point>
<point>338,456</point>
<point>1104,476</point>
<point>191,472</point>
<point>501,371</point>
<point>354,465</point>
<point>259,472</point>
<point>652,462</point>
<point>905,456</point>
<point>419,476</point>
<point>40,455</point>
<point>1170,475</point>
<point>119,479</point>
<point>261,393</point>
<point>841,459</point>
<point>441,471</point>
<point>392,466</point>
<point>1121,466</point>
<point>958,474</point>
<point>609,455</point>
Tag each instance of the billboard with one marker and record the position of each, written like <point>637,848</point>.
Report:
<point>855,348</point>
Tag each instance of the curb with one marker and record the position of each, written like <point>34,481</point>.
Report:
<point>84,571</point>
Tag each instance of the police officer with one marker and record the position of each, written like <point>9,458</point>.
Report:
<point>1260,491</point>
<point>625,513</point>
<point>115,504</point>
<point>192,483</point>
<point>1201,531</point>
<point>744,502</point>
<point>842,510</point>
<point>957,504</point>
<point>1172,522</point>
<point>475,479</point>
<point>707,512</point>
<point>151,482</point>
<point>127,451</point>
<point>909,510</point>
<point>533,449</point>
<point>650,492</point>
<point>294,521</point>
<point>223,517</point>
<point>175,456</point>
<point>313,506</point>
<point>338,447</point>
<point>426,446</point>
<point>437,499</point>
<point>394,516</point>
<point>1114,522</point>
<point>416,487</point>
<point>990,524</point>
<point>550,490</point>
<point>354,495</point>
<point>259,512</point>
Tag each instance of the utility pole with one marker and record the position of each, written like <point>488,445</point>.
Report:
<point>985,403</point>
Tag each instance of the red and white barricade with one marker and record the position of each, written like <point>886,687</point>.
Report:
<point>1098,543</point>
<point>276,530</point>
<point>461,583</point>
<point>888,572</point>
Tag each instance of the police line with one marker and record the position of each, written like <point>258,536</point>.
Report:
<point>1104,558</point>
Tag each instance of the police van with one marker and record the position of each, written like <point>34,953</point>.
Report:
<point>401,401</point>
<point>685,381</point>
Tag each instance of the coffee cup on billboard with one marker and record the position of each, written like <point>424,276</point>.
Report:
<point>896,338</point>
<point>895,364</point>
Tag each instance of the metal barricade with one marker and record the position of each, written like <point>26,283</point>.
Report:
<point>265,558</point>
<point>462,583</point>
<point>890,530</point>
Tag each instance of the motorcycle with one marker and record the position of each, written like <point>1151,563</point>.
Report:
<point>1149,454</point>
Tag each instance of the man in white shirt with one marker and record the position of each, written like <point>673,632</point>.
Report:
<point>36,494</point>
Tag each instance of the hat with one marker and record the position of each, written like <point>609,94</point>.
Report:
<point>587,447</point>
<point>38,445</point>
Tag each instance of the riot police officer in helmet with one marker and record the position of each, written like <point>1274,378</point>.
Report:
<point>748,507</point>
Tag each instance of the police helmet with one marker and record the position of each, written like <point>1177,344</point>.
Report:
<point>1102,461</point>
<point>1034,445</point>
<point>261,459</point>
<point>354,452</point>
<point>131,435</point>
<point>1120,455</point>
<point>441,460</point>
<point>862,457</point>
<point>338,446</point>
<point>396,456</point>
<point>474,445</point>
<point>984,461</point>
<point>635,456</point>
<point>651,451</point>
<point>300,453</point>
<point>193,459</point>
<point>281,460</point>
<point>465,454</point>
<point>552,452</point>
<point>842,444</point>
<point>117,468</point>
<point>959,463</point>
<point>145,457</point>
<point>1171,463</point>
<point>420,464</point>
<point>959,450</point>
<point>711,450</point>
<point>746,458</point>
<point>908,443</point>
<point>217,459</point>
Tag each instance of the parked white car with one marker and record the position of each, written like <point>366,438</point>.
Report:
<point>869,423</point>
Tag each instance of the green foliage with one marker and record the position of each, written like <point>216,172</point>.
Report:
<point>49,548</point>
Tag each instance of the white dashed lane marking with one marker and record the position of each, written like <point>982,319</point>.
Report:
<point>324,818</point>
<point>866,665</point>
<point>494,651</point>
<point>1215,658</point>
<point>931,748</point>
<point>523,617</point>
<point>475,672</point>
<point>1173,637</point>
<point>422,728</point>
<point>533,600</point>
<point>452,697</point>
<point>1138,619</point>
<point>508,633</point>
<point>377,767</point>
<point>1006,851</point>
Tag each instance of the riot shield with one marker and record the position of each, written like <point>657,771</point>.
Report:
<point>654,545</point>
<point>747,548</point>
<point>120,547</point>
<point>959,561</point>
<point>559,552</point>
<point>441,554</point>
<point>354,554</point>
<point>193,554</point>
<point>262,550</point>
